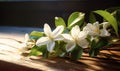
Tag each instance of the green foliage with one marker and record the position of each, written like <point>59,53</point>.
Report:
<point>59,49</point>
<point>59,21</point>
<point>35,51</point>
<point>92,18</point>
<point>35,35</point>
<point>107,16</point>
<point>76,18</point>
<point>42,50</point>
<point>115,11</point>
<point>96,45</point>
<point>76,53</point>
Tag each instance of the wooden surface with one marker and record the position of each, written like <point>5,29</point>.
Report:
<point>107,60</point>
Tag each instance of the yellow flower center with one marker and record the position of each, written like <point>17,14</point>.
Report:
<point>51,37</point>
<point>97,30</point>
<point>76,39</point>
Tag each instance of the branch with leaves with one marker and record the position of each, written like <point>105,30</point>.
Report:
<point>70,39</point>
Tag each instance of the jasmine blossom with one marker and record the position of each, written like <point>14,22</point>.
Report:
<point>51,37</point>
<point>76,37</point>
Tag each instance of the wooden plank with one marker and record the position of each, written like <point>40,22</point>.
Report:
<point>107,60</point>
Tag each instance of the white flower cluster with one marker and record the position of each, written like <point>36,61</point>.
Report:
<point>94,29</point>
<point>75,37</point>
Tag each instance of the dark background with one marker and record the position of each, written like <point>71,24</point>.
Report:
<point>36,13</point>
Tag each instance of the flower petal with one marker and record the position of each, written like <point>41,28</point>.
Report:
<point>104,33</point>
<point>50,46</point>
<point>105,25</point>
<point>75,31</point>
<point>83,43</point>
<point>42,41</point>
<point>82,35</point>
<point>26,38</point>
<point>96,24</point>
<point>60,37</point>
<point>67,37</point>
<point>47,30</point>
<point>88,27</point>
<point>92,29</point>
<point>70,46</point>
<point>58,31</point>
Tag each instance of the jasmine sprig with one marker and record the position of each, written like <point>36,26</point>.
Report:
<point>71,38</point>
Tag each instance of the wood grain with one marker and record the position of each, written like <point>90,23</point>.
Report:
<point>107,60</point>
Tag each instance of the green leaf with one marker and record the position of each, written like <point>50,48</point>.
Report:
<point>59,49</point>
<point>88,38</point>
<point>93,44</point>
<point>45,54</point>
<point>118,18</point>
<point>76,18</point>
<point>115,11</point>
<point>35,51</point>
<point>92,48</point>
<point>59,21</point>
<point>76,53</point>
<point>92,18</point>
<point>107,16</point>
<point>41,50</point>
<point>103,41</point>
<point>94,52</point>
<point>97,45</point>
<point>36,34</point>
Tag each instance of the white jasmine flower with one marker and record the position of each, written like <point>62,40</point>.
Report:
<point>24,44</point>
<point>11,47</point>
<point>28,43</point>
<point>104,31</point>
<point>77,37</point>
<point>93,29</point>
<point>51,37</point>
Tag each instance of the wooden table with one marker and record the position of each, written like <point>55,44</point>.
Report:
<point>107,60</point>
